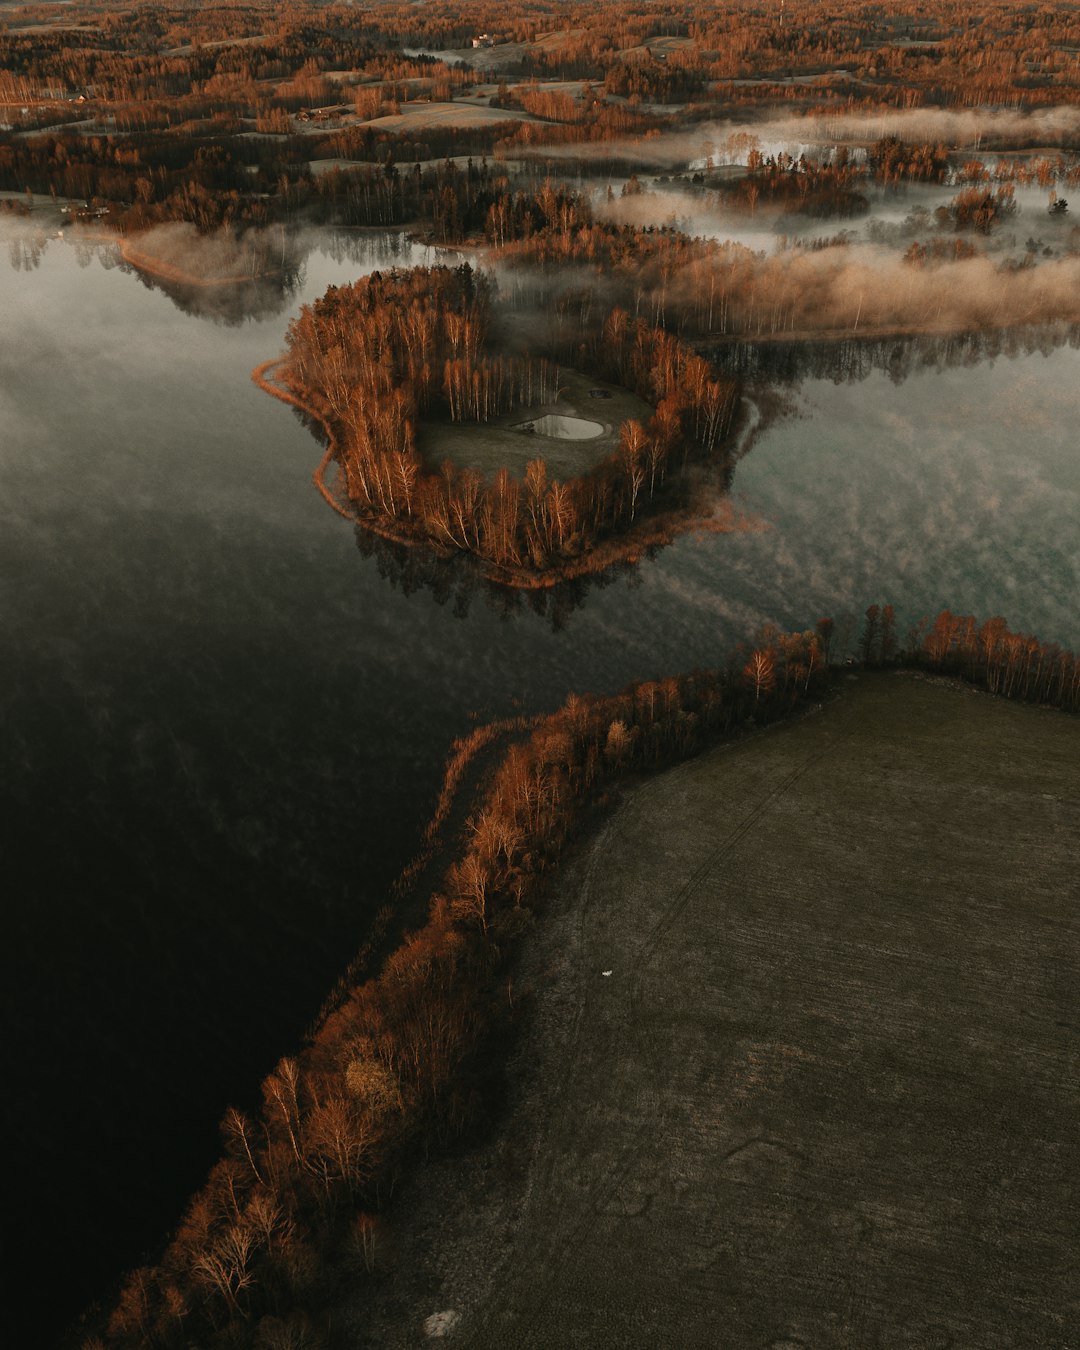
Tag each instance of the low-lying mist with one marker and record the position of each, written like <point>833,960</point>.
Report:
<point>866,288</point>
<point>730,142</point>
<point>844,277</point>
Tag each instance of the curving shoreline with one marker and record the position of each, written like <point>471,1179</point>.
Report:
<point>405,1063</point>
<point>259,377</point>
<point>650,1126</point>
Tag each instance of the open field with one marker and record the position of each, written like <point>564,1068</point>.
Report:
<point>657,46</point>
<point>420,116</point>
<point>803,1065</point>
<point>490,446</point>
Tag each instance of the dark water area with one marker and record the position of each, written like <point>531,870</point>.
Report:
<point>223,723</point>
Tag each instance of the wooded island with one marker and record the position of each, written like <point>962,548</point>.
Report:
<point>374,359</point>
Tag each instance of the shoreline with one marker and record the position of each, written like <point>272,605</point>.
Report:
<point>164,271</point>
<point>259,377</point>
<point>869,334</point>
<point>415,1093</point>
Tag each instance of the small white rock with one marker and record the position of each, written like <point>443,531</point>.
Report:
<point>441,1323</point>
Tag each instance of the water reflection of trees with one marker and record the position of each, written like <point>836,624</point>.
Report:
<point>270,264</point>
<point>454,582</point>
<point>277,267</point>
<point>379,247</point>
<point>849,359</point>
<point>25,251</point>
<point>228,304</point>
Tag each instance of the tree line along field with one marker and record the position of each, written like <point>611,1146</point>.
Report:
<point>300,1216</point>
<point>801,1068</point>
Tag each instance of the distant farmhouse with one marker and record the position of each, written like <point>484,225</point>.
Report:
<point>484,40</point>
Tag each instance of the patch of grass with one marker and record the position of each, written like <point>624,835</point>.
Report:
<point>424,116</point>
<point>490,446</point>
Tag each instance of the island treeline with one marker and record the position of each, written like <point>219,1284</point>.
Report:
<point>370,359</point>
<point>406,1062</point>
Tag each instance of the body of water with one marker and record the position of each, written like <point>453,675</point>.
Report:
<point>222,724</point>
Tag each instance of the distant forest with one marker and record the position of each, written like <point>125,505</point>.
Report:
<point>213,114</point>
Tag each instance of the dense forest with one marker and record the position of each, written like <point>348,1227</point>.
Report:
<point>937,53</point>
<point>235,116</point>
<point>402,1063</point>
<point>216,114</point>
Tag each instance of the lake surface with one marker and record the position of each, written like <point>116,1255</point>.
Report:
<point>222,724</point>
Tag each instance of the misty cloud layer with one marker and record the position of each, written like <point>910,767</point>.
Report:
<point>730,142</point>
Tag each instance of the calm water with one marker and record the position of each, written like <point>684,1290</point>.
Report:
<point>222,726</point>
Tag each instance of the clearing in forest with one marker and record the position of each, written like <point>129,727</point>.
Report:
<point>503,442</point>
<point>423,116</point>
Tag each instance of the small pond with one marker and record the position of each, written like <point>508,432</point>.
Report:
<point>562,428</point>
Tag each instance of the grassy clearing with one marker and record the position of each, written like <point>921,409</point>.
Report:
<point>490,446</point>
<point>421,116</point>
<point>827,1094</point>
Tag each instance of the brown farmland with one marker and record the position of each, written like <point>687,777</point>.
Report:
<point>422,116</point>
<point>827,1094</point>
